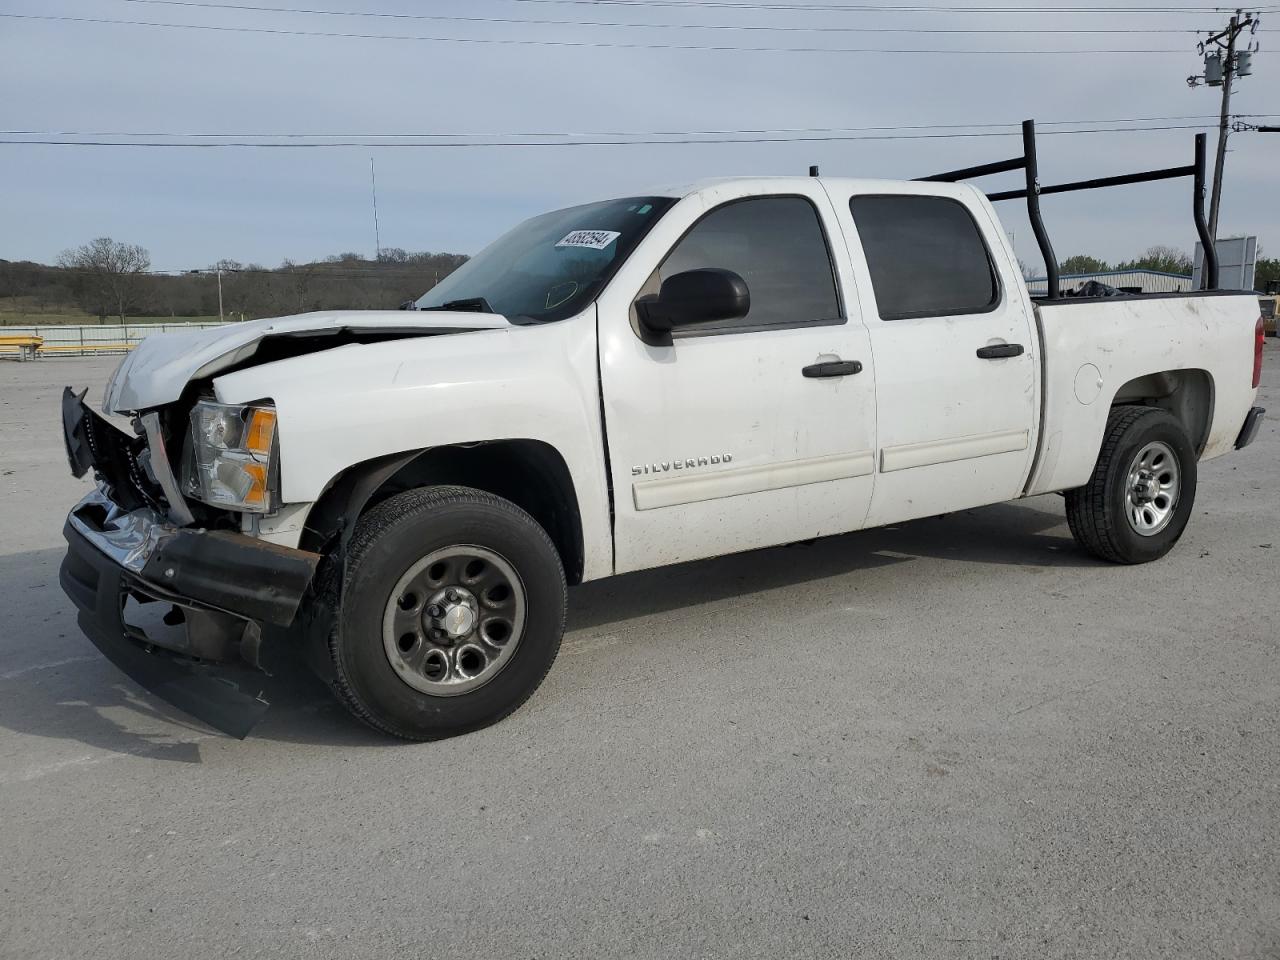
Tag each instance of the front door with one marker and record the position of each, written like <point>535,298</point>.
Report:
<point>731,438</point>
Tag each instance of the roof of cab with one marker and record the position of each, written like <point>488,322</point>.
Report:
<point>842,184</point>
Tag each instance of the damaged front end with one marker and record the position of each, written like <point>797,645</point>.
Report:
<point>135,541</point>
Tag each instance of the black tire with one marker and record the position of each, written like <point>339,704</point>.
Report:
<point>388,540</point>
<point>1097,511</point>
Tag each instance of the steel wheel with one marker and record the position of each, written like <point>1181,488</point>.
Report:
<point>453,621</point>
<point>1152,488</point>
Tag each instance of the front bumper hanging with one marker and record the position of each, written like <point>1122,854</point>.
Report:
<point>224,586</point>
<point>210,569</point>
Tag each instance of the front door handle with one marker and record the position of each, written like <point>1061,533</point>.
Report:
<point>833,368</point>
<point>999,351</point>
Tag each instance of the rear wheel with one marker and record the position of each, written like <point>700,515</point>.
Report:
<point>1139,499</point>
<point>450,615</point>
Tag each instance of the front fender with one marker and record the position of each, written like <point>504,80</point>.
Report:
<point>358,402</point>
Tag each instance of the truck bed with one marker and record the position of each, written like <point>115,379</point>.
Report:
<point>1097,352</point>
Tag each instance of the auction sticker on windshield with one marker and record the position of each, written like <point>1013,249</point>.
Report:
<point>591,239</point>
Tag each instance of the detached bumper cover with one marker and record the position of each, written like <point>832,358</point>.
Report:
<point>227,579</point>
<point>228,699</point>
<point>1250,429</point>
<point>226,586</point>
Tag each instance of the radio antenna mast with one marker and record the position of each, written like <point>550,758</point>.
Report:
<point>373,186</point>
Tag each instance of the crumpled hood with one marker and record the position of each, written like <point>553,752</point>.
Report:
<point>163,364</point>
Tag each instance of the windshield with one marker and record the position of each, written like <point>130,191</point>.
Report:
<point>550,267</point>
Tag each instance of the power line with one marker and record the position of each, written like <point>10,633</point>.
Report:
<point>614,133</point>
<point>886,7</point>
<point>766,28</point>
<point>301,145</point>
<point>599,44</point>
<point>318,270</point>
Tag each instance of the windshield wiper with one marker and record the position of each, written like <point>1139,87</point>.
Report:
<point>467,305</point>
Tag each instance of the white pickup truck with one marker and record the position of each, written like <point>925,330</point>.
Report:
<point>615,386</point>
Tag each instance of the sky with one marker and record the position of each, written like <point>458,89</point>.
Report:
<point>192,207</point>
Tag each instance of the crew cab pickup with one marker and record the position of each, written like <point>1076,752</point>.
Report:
<point>619,385</point>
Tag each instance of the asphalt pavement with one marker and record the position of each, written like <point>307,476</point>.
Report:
<point>958,737</point>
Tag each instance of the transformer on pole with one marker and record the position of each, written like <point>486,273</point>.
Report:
<point>1222,63</point>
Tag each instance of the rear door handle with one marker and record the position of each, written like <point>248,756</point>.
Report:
<point>999,351</point>
<point>833,368</point>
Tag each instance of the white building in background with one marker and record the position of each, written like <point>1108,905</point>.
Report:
<point>1130,281</point>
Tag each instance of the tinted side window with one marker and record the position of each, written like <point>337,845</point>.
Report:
<point>776,244</point>
<point>926,255</point>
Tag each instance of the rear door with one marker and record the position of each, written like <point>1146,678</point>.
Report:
<point>955,349</point>
<point>728,439</point>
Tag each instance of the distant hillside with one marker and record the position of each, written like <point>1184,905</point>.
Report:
<point>32,293</point>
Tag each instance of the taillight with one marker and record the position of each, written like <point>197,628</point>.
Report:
<point>1259,338</point>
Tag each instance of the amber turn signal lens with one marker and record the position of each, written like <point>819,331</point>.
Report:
<point>260,431</point>
<point>256,493</point>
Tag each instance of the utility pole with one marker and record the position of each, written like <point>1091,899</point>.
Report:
<point>1228,72</point>
<point>1220,69</point>
<point>218,271</point>
<point>373,189</point>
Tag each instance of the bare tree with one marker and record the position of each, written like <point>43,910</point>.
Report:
<point>107,274</point>
<point>300,276</point>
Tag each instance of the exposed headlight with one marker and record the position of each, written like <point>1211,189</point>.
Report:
<point>232,449</point>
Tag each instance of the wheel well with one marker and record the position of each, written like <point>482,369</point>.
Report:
<point>529,473</point>
<point>1186,394</point>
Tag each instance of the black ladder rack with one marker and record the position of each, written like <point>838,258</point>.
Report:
<point>1032,192</point>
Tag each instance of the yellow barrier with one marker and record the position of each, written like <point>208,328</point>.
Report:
<point>25,345</point>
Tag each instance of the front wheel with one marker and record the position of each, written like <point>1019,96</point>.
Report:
<point>450,614</point>
<point>1139,499</point>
